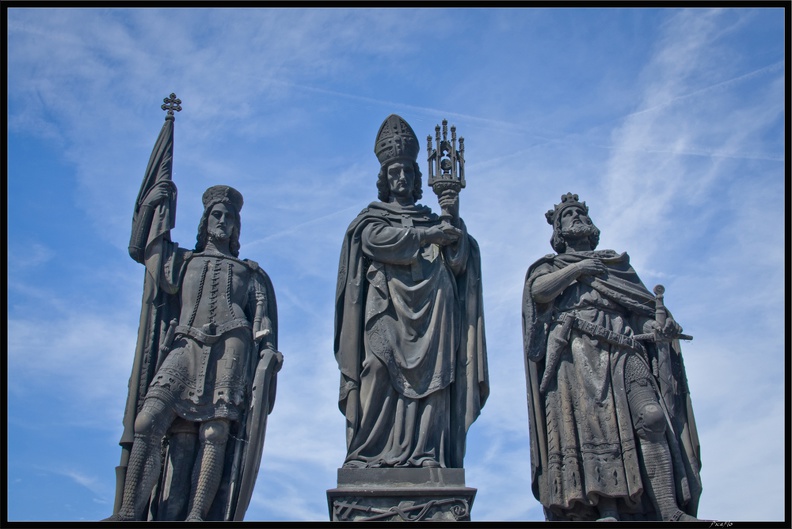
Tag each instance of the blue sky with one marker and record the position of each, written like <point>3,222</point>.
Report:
<point>669,123</point>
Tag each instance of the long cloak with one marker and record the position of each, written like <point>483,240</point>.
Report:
<point>466,377</point>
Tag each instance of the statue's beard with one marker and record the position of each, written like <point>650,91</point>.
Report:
<point>579,231</point>
<point>216,235</point>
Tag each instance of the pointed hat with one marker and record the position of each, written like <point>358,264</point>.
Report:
<point>395,139</point>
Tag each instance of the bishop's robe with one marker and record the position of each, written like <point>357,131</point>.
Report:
<point>409,340</point>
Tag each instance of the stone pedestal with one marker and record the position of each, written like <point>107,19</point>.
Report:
<point>400,494</point>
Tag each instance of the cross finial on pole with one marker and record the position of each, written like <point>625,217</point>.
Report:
<point>171,103</point>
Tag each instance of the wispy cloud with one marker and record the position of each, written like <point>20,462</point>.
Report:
<point>641,171</point>
<point>93,483</point>
<point>33,255</point>
<point>776,67</point>
<point>85,355</point>
<point>735,501</point>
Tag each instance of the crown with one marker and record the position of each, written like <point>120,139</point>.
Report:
<point>395,139</point>
<point>567,201</point>
<point>226,194</point>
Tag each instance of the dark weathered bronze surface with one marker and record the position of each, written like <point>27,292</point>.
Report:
<point>409,337</point>
<point>204,372</point>
<point>400,494</point>
<point>170,104</point>
<point>412,381</point>
<point>612,431</point>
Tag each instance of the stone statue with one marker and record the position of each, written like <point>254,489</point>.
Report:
<point>204,374</point>
<point>612,431</point>
<point>409,326</point>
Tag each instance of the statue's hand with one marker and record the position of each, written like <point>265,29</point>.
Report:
<point>670,330</point>
<point>591,267</point>
<point>444,234</point>
<point>158,194</point>
<point>449,201</point>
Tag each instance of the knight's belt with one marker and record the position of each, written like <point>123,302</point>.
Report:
<point>210,333</point>
<point>601,333</point>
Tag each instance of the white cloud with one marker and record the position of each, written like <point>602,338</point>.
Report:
<point>86,356</point>
<point>741,481</point>
<point>649,169</point>
<point>92,483</point>
<point>34,255</point>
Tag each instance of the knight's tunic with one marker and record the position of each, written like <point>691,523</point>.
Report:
<point>205,375</point>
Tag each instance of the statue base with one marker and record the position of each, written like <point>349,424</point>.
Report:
<point>400,494</point>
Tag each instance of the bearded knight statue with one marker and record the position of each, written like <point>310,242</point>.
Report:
<point>204,373</point>
<point>612,430</point>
